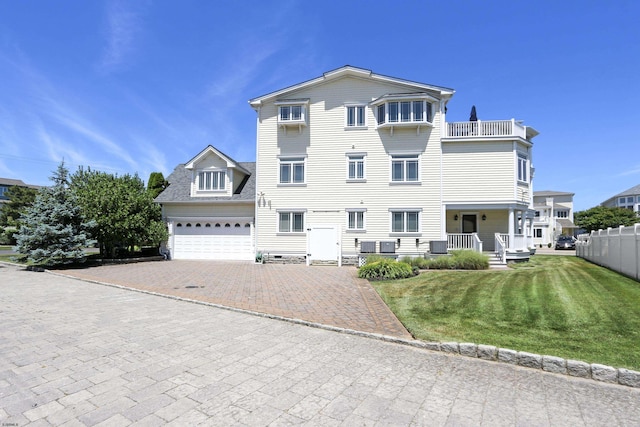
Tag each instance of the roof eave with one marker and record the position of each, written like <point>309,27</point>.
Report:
<point>349,70</point>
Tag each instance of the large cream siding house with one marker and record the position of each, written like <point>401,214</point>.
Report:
<point>352,163</point>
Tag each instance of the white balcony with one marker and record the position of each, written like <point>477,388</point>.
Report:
<point>491,129</point>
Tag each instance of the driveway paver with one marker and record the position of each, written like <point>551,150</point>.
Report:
<point>75,353</point>
<point>326,295</point>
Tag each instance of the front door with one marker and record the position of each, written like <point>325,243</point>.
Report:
<point>469,223</point>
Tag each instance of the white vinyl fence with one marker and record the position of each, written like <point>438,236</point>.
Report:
<point>614,248</point>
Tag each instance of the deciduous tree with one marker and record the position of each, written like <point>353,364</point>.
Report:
<point>122,208</point>
<point>602,217</point>
<point>20,198</point>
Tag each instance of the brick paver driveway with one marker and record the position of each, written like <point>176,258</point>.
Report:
<point>326,295</point>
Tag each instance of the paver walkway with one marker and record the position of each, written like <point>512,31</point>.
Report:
<point>75,353</point>
<point>326,295</point>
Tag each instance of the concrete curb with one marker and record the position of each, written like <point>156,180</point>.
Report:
<point>551,364</point>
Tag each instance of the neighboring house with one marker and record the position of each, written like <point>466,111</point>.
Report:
<point>629,199</point>
<point>209,207</point>
<point>6,183</point>
<point>553,216</point>
<point>354,162</point>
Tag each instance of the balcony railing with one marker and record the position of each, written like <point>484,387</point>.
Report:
<point>487,128</point>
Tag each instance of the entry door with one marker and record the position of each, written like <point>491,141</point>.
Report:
<point>469,223</point>
<point>323,242</point>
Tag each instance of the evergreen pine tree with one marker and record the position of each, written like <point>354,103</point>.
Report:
<point>53,230</point>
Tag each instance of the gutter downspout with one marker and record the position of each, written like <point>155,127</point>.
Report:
<point>257,199</point>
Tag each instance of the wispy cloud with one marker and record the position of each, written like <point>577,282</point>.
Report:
<point>72,121</point>
<point>123,26</point>
<point>635,170</point>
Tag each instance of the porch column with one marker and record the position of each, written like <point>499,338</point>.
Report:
<point>512,226</point>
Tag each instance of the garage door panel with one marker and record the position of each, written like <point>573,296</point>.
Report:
<point>230,243</point>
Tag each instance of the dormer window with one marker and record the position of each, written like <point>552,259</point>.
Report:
<point>405,110</point>
<point>211,181</point>
<point>292,112</point>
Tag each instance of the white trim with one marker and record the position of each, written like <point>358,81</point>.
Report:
<point>404,211</point>
<point>355,106</point>
<point>364,220</point>
<point>408,155</point>
<point>355,72</point>
<point>348,157</point>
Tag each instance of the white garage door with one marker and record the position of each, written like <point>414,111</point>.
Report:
<point>215,240</point>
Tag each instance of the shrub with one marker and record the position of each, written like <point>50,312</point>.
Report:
<point>385,269</point>
<point>374,258</point>
<point>418,262</point>
<point>470,260</point>
<point>441,263</point>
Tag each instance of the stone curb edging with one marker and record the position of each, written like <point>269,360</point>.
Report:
<point>552,364</point>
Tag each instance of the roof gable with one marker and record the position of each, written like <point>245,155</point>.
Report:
<point>350,71</point>
<point>191,164</point>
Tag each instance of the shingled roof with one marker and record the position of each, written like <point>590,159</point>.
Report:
<point>179,189</point>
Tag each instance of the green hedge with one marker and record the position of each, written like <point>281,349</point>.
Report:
<point>457,260</point>
<point>385,269</point>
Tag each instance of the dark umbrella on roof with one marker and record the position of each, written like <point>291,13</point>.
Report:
<point>473,117</point>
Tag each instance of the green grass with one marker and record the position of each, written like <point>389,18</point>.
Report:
<point>555,305</point>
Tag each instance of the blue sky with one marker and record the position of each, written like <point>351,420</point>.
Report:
<point>140,86</point>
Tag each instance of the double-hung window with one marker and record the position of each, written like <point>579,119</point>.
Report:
<point>211,180</point>
<point>355,167</point>
<point>522,168</point>
<point>405,221</point>
<point>291,222</point>
<point>355,219</point>
<point>292,170</point>
<point>404,168</point>
<point>355,115</point>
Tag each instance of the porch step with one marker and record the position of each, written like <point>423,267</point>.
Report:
<point>494,262</point>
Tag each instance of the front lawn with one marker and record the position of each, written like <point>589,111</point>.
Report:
<point>555,305</point>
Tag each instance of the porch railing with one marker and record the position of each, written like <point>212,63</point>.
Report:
<point>486,128</point>
<point>469,241</point>
<point>501,247</point>
<point>519,241</point>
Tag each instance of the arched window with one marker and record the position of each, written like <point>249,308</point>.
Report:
<point>208,225</point>
<point>237,225</point>
<point>188,224</point>
<point>247,225</point>
<point>179,224</point>
<point>198,225</point>
<point>227,225</point>
<point>217,225</point>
